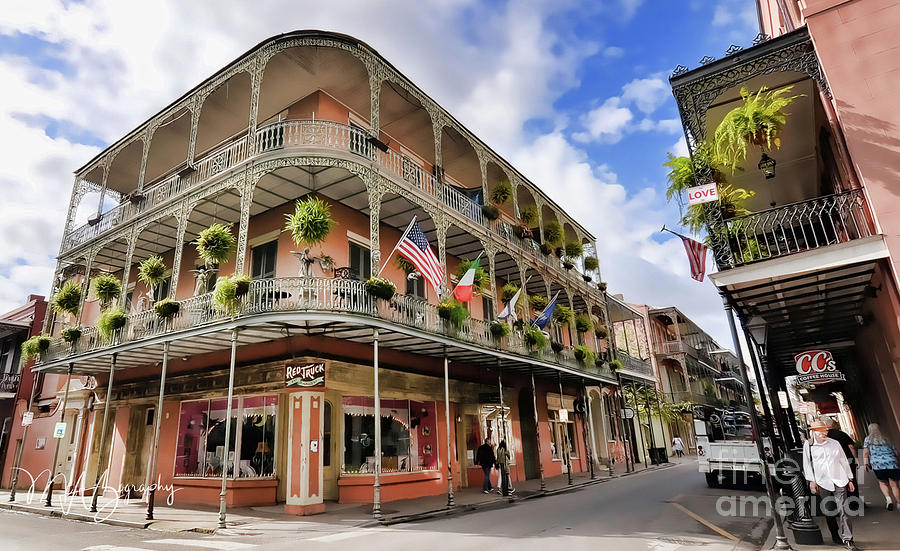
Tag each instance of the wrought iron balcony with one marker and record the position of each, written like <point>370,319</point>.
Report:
<point>9,382</point>
<point>794,228</point>
<point>310,295</point>
<point>634,365</point>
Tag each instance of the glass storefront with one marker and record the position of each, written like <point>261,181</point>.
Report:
<point>559,430</point>
<point>200,448</point>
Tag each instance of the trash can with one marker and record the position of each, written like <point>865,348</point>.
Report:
<point>658,456</point>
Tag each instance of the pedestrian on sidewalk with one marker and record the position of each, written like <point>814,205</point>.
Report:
<point>826,468</point>
<point>880,455</point>
<point>503,467</point>
<point>848,445</point>
<point>484,457</point>
<point>678,446</point>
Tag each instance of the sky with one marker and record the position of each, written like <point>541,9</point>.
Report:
<point>575,94</point>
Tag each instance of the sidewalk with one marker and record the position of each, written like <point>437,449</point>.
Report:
<point>253,520</point>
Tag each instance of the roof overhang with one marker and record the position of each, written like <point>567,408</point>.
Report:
<point>13,327</point>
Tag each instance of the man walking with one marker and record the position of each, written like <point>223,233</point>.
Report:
<point>828,472</point>
<point>848,445</point>
<point>484,457</point>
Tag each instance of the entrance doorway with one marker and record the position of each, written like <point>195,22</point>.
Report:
<point>330,453</point>
<point>528,424</point>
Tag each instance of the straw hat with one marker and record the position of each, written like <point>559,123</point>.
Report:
<point>818,425</point>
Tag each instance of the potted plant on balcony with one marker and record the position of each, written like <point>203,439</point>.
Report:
<point>499,330</point>
<point>166,308</point>
<point>538,302</point>
<point>229,293</point>
<point>583,323</point>
<point>501,192</point>
<point>546,249</point>
<point>491,212</point>
<point>584,355</point>
<point>152,272</point>
<point>35,346</point>
<point>309,225</point>
<point>110,322</point>
<point>71,334</point>
<point>481,277</point>
<point>602,286</point>
<point>574,250</point>
<point>107,288</point>
<point>380,287</point>
<point>757,121</point>
<point>615,365</point>
<point>528,215</point>
<point>568,264</point>
<point>563,315</point>
<point>601,332</point>
<point>557,347</point>
<point>553,233</point>
<point>508,292</point>
<point>453,313</point>
<point>68,298</point>
<point>534,338</point>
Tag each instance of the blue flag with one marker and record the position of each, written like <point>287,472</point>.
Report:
<point>544,317</point>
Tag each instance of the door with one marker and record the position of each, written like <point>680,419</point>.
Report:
<point>529,439</point>
<point>67,446</point>
<point>331,458</point>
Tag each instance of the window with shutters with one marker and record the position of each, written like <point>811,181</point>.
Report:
<point>263,260</point>
<point>360,262</point>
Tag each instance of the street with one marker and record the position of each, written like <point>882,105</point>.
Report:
<point>663,510</point>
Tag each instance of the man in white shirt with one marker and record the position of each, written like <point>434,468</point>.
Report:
<point>828,472</point>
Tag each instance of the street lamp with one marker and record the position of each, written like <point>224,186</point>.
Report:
<point>758,330</point>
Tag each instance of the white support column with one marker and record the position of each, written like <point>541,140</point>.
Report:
<point>375,229</point>
<point>376,493</point>
<point>154,451</point>
<point>182,217</point>
<point>223,494</point>
<point>102,190</point>
<point>48,502</point>
<point>126,271</point>
<point>246,201</point>
<point>450,500</point>
<point>101,446</point>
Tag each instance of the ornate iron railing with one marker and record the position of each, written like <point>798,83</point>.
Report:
<point>297,294</point>
<point>9,382</point>
<point>794,228</point>
<point>633,364</point>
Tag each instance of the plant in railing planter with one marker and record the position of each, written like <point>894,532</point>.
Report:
<point>380,287</point>
<point>215,244</point>
<point>602,286</point>
<point>508,292</point>
<point>583,323</point>
<point>615,365</point>
<point>587,278</point>
<point>68,298</point>
<point>107,288</point>
<point>546,249</point>
<point>528,215</point>
<point>584,354</point>
<point>499,330</point>
<point>567,264</point>
<point>574,249</point>
<point>534,338</point>
<point>757,121</point>
<point>557,346</point>
<point>453,312</point>
<point>601,332</point>
<point>563,315</point>
<point>111,321</point>
<point>241,284</point>
<point>166,308</point>
<point>229,292</point>
<point>523,232</point>
<point>553,233</point>
<point>35,346</point>
<point>152,271</point>
<point>501,193</point>
<point>591,263</point>
<point>730,203</point>
<point>538,302</point>
<point>71,334</point>
<point>559,252</point>
<point>481,278</point>
<point>491,212</point>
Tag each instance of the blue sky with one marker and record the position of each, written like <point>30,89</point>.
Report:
<point>574,93</point>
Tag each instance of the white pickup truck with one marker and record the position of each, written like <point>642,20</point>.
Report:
<point>726,448</point>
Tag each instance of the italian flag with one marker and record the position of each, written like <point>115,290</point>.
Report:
<point>466,286</point>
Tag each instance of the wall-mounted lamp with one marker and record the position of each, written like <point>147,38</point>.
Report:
<point>767,166</point>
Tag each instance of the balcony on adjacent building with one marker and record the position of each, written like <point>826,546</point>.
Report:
<point>9,384</point>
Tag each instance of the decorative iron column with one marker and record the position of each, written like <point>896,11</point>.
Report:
<point>502,430</point>
<point>586,428</point>
<point>376,489</point>
<point>20,447</point>
<point>537,433</point>
<point>154,451</point>
<point>224,492</point>
<point>109,385</point>
<point>62,419</point>
<point>640,431</point>
<point>450,500</point>
<point>562,406</point>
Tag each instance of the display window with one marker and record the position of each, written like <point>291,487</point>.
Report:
<point>408,435</point>
<point>496,425</point>
<point>559,430</point>
<point>200,448</point>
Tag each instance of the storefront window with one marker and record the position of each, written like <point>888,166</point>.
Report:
<point>497,426</point>
<point>558,436</point>
<point>200,449</point>
<point>408,435</point>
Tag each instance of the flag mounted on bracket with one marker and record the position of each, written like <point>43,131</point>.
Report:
<point>696,253</point>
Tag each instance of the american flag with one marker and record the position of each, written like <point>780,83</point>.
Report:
<point>415,247</point>
<point>696,253</point>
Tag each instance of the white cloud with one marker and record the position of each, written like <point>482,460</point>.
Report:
<point>613,52</point>
<point>679,148</point>
<point>647,94</point>
<point>607,123</point>
<point>614,118</point>
<point>737,17</point>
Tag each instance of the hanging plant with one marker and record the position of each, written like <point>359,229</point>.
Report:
<point>574,249</point>
<point>454,312</point>
<point>380,287</point>
<point>584,354</point>
<point>405,265</point>
<point>528,215</point>
<point>757,121</point>
<point>35,346</point>
<point>152,271</point>
<point>602,286</point>
<point>557,346</point>
<point>731,204</point>
<point>508,292</point>
<point>68,298</point>
<point>583,323</point>
<point>568,264</point>
<point>111,321</point>
<point>598,362</point>
<point>215,244</point>
<point>310,223</point>
<point>615,365</point>
<point>591,263</point>
<point>107,288</point>
<point>499,330</point>
<point>491,212</point>
<point>546,249</point>
<point>241,284</point>
<point>502,192</point>
<point>686,172</point>
<point>481,277</point>
<point>538,302</point>
<point>586,278</point>
<point>563,314</point>
<point>534,338</point>
<point>229,292</point>
<point>553,233</point>
<point>71,334</point>
<point>601,332</point>
<point>519,324</point>
<point>166,308</point>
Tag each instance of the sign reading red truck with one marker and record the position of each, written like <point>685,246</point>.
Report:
<point>817,367</point>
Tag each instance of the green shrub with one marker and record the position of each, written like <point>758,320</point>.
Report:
<point>568,264</point>
<point>152,271</point>
<point>553,233</point>
<point>557,346</point>
<point>111,321</point>
<point>71,334</point>
<point>528,215</point>
<point>68,298</point>
<point>601,332</point>
<point>380,287</point>
<point>591,263</point>
<point>310,223</point>
<point>583,323</point>
<point>499,329</point>
<point>215,244</point>
<point>534,338</point>
<point>34,347</point>
<point>491,212</point>
<point>574,249</point>
<point>166,308</point>
<point>107,288</point>
<point>615,365</point>
<point>502,192</point>
<point>584,354</point>
<point>481,277</point>
<point>538,302</point>
<point>546,249</point>
<point>563,314</point>
<point>229,292</point>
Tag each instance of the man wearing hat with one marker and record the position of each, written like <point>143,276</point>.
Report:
<point>828,472</point>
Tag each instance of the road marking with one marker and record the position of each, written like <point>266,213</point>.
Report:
<point>706,523</point>
<point>209,544</point>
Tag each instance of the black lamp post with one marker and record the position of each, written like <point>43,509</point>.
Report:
<point>767,166</point>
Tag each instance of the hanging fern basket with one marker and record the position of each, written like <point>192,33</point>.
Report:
<point>215,244</point>
<point>310,223</point>
<point>68,298</point>
<point>380,287</point>
<point>152,271</point>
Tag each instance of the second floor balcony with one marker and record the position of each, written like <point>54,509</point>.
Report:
<point>9,384</point>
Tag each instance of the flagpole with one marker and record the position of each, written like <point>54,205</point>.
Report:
<point>402,237</point>
<point>552,300</point>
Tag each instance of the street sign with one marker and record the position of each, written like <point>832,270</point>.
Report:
<point>706,193</point>
<point>59,431</point>
<point>627,413</point>
<point>783,399</point>
<point>564,415</point>
<point>27,418</point>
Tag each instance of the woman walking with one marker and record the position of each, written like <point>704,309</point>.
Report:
<point>503,466</point>
<point>880,455</point>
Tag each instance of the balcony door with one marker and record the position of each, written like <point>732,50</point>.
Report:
<point>263,260</point>
<point>360,262</point>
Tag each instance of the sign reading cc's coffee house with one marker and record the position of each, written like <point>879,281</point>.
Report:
<point>306,375</point>
<point>817,367</point>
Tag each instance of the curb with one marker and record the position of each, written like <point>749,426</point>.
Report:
<point>53,512</point>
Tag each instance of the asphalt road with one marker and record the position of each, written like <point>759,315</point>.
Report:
<point>664,510</point>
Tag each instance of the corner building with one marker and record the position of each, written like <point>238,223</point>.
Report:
<point>318,114</point>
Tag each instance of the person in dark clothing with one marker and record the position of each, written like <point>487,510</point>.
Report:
<point>484,457</point>
<point>848,445</point>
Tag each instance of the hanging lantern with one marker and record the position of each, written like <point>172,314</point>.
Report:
<point>767,166</point>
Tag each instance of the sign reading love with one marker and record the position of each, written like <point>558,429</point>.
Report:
<point>706,193</point>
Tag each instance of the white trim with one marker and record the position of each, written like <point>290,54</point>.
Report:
<point>263,239</point>
<point>354,237</point>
